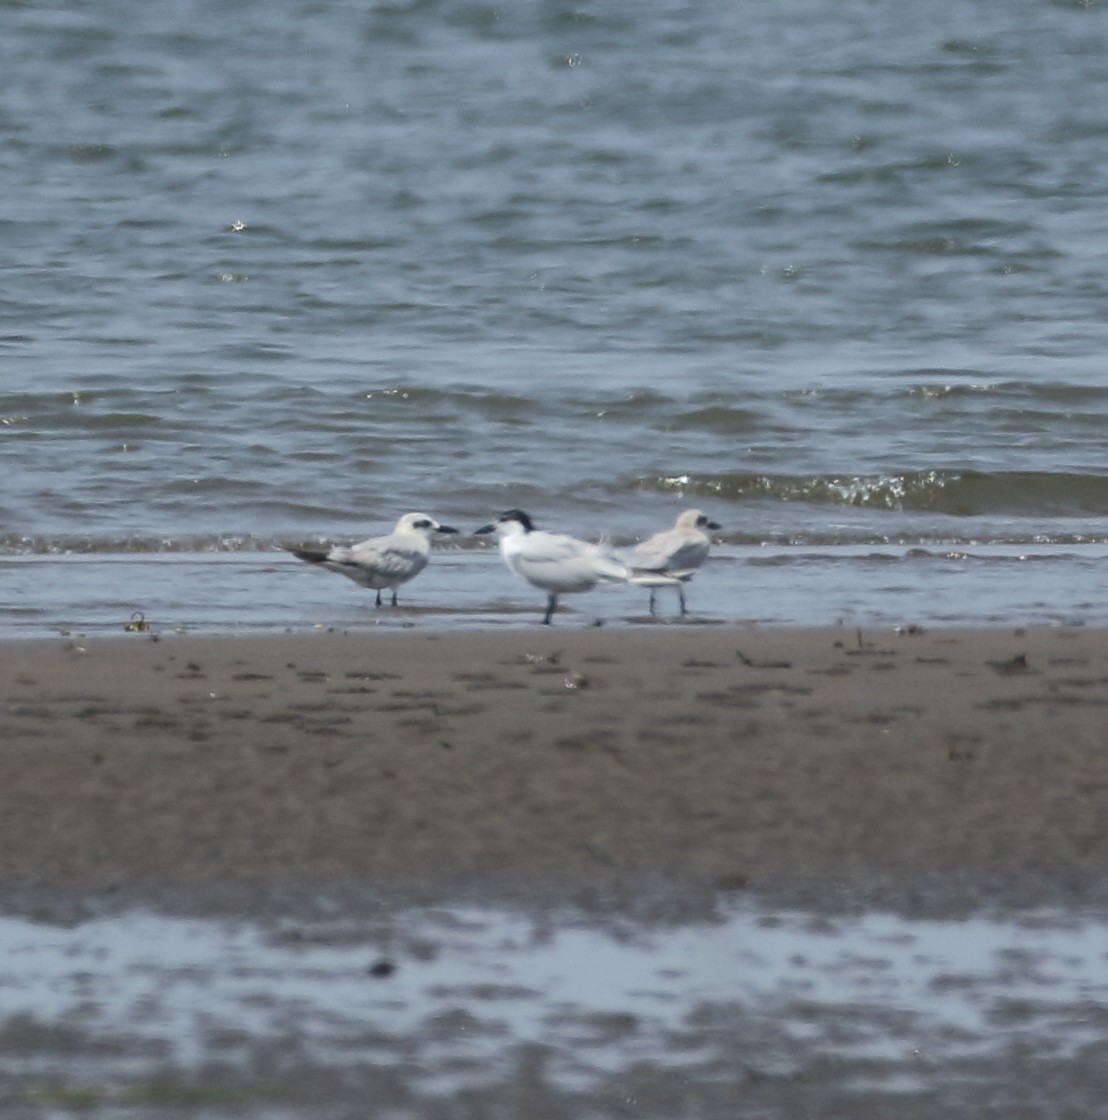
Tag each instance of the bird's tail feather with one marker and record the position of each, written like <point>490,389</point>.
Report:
<point>642,577</point>
<point>311,555</point>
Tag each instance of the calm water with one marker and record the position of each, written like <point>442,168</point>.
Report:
<point>282,271</point>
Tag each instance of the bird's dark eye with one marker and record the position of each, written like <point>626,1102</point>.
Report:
<point>424,524</point>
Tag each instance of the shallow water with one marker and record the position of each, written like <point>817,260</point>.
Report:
<point>432,1005</point>
<point>882,587</point>
<point>832,272</point>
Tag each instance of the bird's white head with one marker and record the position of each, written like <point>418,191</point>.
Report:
<point>694,519</point>
<point>421,523</point>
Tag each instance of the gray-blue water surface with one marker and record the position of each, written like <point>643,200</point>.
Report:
<point>280,272</point>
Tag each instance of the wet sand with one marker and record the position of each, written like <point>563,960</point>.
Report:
<point>373,811</point>
<point>652,771</point>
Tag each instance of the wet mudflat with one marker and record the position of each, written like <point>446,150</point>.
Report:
<point>447,1012</point>
<point>693,871</point>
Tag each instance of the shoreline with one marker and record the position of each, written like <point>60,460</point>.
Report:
<point>878,587</point>
<point>652,772</point>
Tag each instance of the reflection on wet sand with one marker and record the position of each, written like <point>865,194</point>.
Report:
<point>426,1007</point>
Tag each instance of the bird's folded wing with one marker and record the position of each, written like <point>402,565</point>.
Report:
<point>553,556</point>
<point>688,557</point>
<point>652,553</point>
<point>668,552</point>
<point>388,560</point>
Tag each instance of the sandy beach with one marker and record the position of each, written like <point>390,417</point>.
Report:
<point>929,772</point>
<point>702,870</point>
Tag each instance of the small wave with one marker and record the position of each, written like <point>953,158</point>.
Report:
<point>19,545</point>
<point>13,544</point>
<point>952,492</point>
<point>941,384</point>
<point>772,548</point>
<point>719,419</point>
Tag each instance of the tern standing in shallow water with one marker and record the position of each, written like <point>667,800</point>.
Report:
<point>382,562</point>
<point>675,552</point>
<point>553,562</point>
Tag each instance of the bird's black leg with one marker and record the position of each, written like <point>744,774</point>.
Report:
<point>681,596</point>
<point>551,603</point>
<point>394,596</point>
<point>652,600</point>
<point>378,596</point>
